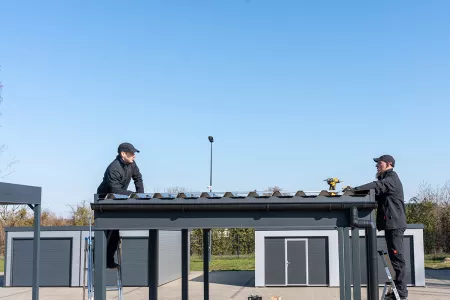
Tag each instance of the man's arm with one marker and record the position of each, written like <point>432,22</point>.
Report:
<point>113,180</point>
<point>380,186</point>
<point>137,177</point>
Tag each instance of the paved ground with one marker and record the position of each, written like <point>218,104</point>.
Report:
<point>234,285</point>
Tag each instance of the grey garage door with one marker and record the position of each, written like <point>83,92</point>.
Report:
<point>135,257</point>
<point>275,261</point>
<point>381,245</point>
<point>296,259</point>
<point>54,265</point>
<point>134,263</point>
<point>318,261</point>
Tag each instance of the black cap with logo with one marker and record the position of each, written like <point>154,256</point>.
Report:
<point>386,158</point>
<point>127,147</point>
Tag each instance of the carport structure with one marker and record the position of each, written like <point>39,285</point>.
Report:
<point>17,194</point>
<point>276,211</point>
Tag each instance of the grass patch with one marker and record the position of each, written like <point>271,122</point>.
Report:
<point>225,263</point>
<point>2,264</point>
<point>247,262</point>
<point>436,262</point>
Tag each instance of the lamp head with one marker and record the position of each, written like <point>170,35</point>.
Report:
<point>211,139</point>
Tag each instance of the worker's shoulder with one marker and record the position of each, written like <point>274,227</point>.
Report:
<point>135,167</point>
<point>392,173</point>
<point>394,177</point>
<point>115,164</point>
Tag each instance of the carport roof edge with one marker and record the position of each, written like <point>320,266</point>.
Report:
<point>251,202</point>
<point>11,193</point>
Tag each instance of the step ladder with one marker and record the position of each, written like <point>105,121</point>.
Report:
<point>88,274</point>
<point>389,285</point>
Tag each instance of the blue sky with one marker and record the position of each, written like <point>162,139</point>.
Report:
<point>292,91</point>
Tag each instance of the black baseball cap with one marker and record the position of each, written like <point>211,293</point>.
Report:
<point>386,158</point>
<point>127,147</point>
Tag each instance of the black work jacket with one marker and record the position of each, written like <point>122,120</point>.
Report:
<point>389,195</point>
<point>118,176</point>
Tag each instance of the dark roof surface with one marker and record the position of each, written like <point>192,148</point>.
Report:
<point>231,195</point>
<point>228,201</point>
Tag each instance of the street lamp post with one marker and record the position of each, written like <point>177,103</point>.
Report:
<point>211,140</point>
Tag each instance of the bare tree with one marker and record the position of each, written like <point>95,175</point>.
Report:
<point>176,190</point>
<point>7,168</point>
<point>80,214</point>
<point>431,207</point>
<point>6,212</point>
<point>272,189</point>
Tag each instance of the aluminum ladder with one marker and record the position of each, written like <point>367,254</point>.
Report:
<point>389,286</point>
<point>88,273</point>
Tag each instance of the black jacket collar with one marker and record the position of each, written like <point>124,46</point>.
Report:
<point>122,162</point>
<point>385,173</point>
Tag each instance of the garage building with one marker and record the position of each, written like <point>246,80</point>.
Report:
<point>311,257</point>
<point>63,255</point>
<point>307,257</point>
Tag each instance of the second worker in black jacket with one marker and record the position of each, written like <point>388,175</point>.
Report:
<point>391,216</point>
<point>116,179</point>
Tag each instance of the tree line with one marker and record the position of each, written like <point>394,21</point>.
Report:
<point>23,216</point>
<point>225,241</point>
<point>431,207</point>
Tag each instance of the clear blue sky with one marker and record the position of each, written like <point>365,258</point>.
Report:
<point>292,91</point>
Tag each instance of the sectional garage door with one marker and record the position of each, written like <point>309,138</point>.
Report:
<point>54,265</point>
<point>134,262</point>
<point>135,258</point>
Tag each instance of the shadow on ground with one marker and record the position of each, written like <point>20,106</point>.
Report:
<point>233,278</point>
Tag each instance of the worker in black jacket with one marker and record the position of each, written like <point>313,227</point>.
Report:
<point>391,216</point>
<point>116,179</point>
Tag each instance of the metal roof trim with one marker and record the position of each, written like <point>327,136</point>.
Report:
<point>234,195</point>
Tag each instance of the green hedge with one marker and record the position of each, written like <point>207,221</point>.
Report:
<point>231,241</point>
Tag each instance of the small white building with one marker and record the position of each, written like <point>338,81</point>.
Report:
<point>311,257</point>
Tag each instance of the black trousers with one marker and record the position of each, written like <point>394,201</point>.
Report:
<point>394,241</point>
<point>113,238</point>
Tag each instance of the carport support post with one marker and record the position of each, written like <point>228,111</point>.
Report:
<point>153,267</point>
<point>356,264</point>
<point>368,264</point>
<point>348,266</point>
<point>341,263</point>
<point>184,264</point>
<point>36,250</point>
<point>206,264</point>
<point>100,265</point>
<point>372,264</point>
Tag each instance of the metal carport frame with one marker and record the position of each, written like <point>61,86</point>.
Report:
<point>277,211</point>
<point>17,194</point>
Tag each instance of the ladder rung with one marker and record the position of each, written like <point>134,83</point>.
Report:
<point>90,270</point>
